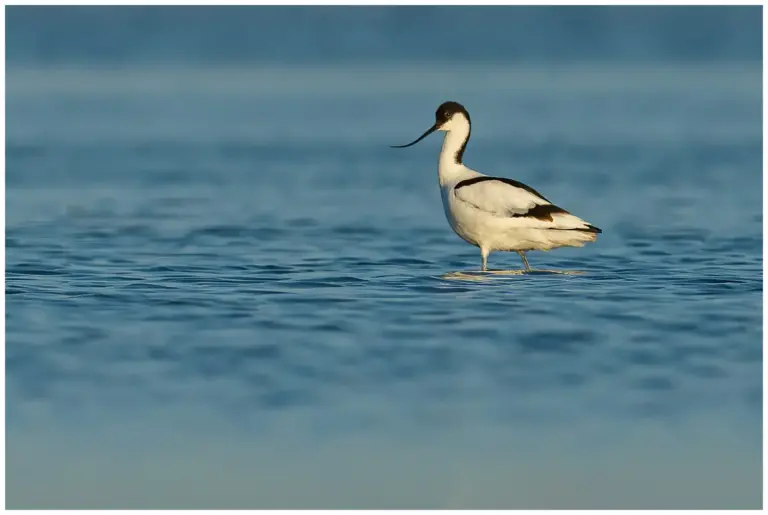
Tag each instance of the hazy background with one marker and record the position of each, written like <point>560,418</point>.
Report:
<point>283,35</point>
<point>224,290</point>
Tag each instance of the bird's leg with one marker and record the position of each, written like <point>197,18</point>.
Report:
<point>525,260</point>
<point>484,253</point>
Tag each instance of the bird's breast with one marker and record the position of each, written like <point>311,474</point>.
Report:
<point>453,214</point>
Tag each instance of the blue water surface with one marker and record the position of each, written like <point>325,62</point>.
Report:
<point>225,290</point>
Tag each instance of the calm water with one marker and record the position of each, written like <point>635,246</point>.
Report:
<point>223,289</point>
<point>305,34</point>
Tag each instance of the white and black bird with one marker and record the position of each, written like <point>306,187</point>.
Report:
<point>495,213</point>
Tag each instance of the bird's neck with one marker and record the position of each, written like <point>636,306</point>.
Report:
<point>451,166</point>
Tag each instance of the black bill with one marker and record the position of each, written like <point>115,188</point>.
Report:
<point>429,131</point>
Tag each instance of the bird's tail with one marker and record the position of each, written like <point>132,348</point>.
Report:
<point>568,222</point>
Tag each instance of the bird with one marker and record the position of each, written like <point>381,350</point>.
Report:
<point>496,213</point>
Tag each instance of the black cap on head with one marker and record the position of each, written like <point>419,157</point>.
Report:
<point>447,110</point>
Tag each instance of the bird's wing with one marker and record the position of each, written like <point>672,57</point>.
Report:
<point>499,196</point>
<point>508,198</point>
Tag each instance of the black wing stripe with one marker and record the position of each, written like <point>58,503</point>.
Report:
<point>543,213</point>
<point>511,182</point>
<point>592,228</point>
<point>588,228</point>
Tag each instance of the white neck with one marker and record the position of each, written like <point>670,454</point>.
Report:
<point>449,167</point>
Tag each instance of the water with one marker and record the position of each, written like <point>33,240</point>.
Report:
<point>224,290</point>
<point>453,35</point>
